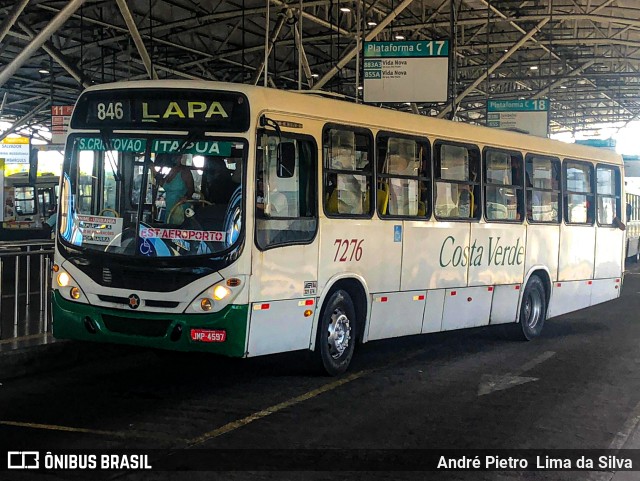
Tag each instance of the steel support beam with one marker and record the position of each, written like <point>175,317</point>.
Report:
<point>21,121</point>
<point>282,17</point>
<point>198,22</point>
<point>492,69</point>
<point>137,39</point>
<point>39,39</point>
<point>314,19</point>
<point>562,80</point>
<point>12,17</point>
<point>58,57</point>
<point>352,53</point>
<point>4,101</point>
<point>304,61</point>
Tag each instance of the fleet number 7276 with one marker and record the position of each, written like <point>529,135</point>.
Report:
<point>348,250</point>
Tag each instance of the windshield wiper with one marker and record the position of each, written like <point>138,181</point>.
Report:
<point>106,141</point>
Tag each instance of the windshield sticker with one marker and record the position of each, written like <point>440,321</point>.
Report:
<point>181,234</point>
<point>100,230</point>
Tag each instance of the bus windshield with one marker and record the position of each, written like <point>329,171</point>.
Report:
<point>152,195</point>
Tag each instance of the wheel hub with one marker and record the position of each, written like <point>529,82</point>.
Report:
<point>339,333</point>
<point>533,308</point>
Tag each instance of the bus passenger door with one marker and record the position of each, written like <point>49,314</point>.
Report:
<point>610,238</point>
<point>285,247</point>
<point>577,241</point>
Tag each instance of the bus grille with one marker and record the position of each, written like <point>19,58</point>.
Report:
<point>147,302</point>
<point>136,327</point>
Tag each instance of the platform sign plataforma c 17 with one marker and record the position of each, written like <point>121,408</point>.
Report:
<point>416,71</point>
<point>530,116</point>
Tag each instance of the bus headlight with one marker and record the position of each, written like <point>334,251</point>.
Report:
<point>63,279</point>
<point>206,304</point>
<point>216,297</point>
<point>220,292</point>
<point>68,287</point>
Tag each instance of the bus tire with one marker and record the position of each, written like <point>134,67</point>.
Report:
<point>533,309</point>
<point>336,336</point>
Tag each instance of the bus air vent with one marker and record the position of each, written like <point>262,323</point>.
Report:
<point>154,303</point>
<point>107,278</point>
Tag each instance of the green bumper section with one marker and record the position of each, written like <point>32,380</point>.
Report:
<point>154,330</point>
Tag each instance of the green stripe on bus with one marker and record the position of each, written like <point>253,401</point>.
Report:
<point>69,323</point>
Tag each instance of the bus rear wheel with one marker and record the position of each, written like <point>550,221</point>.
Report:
<point>336,337</point>
<point>533,309</point>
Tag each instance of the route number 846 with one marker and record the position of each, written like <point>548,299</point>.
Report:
<point>111,111</point>
<point>348,250</point>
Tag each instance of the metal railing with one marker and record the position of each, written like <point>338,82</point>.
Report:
<point>25,283</point>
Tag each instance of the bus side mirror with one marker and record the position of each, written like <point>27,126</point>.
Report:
<point>33,166</point>
<point>286,160</point>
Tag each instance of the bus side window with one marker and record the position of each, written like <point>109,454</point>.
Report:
<point>542,184</point>
<point>403,183</point>
<point>608,195</point>
<point>503,185</point>
<point>579,205</point>
<point>285,206</point>
<point>347,172</point>
<point>457,181</point>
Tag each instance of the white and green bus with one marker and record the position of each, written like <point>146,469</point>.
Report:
<point>317,224</point>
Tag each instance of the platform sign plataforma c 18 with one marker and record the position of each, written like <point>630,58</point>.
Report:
<point>529,116</point>
<point>416,71</point>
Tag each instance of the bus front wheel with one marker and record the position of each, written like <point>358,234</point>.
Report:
<point>533,309</point>
<point>336,336</point>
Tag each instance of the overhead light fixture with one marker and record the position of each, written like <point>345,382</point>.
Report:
<point>360,87</point>
<point>315,75</point>
<point>399,37</point>
<point>533,67</point>
<point>345,9</point>
<point>371,23</point>
<point>563,86</point>
<point>43,70</point>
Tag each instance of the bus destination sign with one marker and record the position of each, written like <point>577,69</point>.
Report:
<point>166,109</point>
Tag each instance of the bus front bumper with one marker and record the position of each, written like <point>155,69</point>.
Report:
<point>72,320</point>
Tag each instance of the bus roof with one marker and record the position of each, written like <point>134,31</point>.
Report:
<point>320,107</point>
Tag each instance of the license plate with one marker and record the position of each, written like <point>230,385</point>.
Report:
<point>208,335</point>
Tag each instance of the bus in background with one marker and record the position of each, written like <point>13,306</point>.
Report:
<point>28,207</point>
<point>317,224</point>
<point>632,196</point>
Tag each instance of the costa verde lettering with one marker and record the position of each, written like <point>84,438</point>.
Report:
<point>498,254</point>
<point>174,110</point>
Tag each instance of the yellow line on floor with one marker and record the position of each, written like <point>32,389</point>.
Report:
<point>23,338</point>
<point>232,426</point>
<point>275,408</point>
<point>115,434</point>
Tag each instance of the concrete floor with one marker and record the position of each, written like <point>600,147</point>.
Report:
<point>577,387</point>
